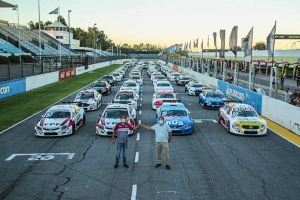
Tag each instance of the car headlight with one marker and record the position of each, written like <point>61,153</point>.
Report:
<point>64,127</point>
<point>207,102</point>
<point>262,126</point>
<point>38,128</point>
<point>236,126</point>
<point>188,125</point>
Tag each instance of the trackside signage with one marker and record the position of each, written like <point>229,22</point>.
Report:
<point>66,73</point>
<point>237,93</point>
<point>13,87</point>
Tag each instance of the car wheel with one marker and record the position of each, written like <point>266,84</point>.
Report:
<point>185,90</point>
<point>73,129</point>
<point>219,118</point>
<point>97,106</point>
<point>83,119</point>
<point>228,127</point>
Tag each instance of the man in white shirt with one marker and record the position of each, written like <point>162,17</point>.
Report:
<point>163,135</point>
<point>287,96</point>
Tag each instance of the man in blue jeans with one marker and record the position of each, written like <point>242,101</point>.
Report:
<point>122,129</point>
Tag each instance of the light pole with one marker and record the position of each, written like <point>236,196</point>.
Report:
<point>17,9</point>
<point>94,42</point>
<point>69,31</point>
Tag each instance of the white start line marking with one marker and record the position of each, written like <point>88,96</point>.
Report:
<point>140,112</point>
<point>141,104</point>
<point>137,155</point>
<point>41,156</point>
<point>141,99</point>
<point>133,193</point>
<point>140,121</point>
<point>138,136</point>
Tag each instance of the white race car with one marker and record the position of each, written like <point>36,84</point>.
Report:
<point>137,78</point>
<point>89,99</point>
<point>130,97</point>
<point>194,88</point>
<point>242,119</point>
<point>161,96</point>
<point>112,115</point>
<point>131,85</point>
<point>163,85</point>
<point>60,120</point>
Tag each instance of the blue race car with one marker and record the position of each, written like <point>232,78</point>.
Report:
<point>212,99</point>
<point>177,117</point>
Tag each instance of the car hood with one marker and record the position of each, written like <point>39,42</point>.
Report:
<point>250,121</point>
<point>52,122</point>
<point>177,121</point>
<point>213,99</point>
<point>110,122</point>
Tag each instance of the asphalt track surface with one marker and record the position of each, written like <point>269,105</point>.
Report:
<point>209,164</point>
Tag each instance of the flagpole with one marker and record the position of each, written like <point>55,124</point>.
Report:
<point>59,35</point>
<point>273,64</point>
<point>39,30</point>
<point>253,69</point>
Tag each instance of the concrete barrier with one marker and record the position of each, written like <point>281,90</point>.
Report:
<point>286,115</point>
<point>37,81</point>
<point>13,87</point>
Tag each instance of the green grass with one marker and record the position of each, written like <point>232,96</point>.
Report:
<point>16,108</point>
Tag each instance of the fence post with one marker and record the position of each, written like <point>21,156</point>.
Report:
<point>33,65</point>
<point>9,70</point>
<point>22,68</point>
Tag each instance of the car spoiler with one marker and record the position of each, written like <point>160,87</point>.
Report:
<point>171,100</point>
<point>80,104</point>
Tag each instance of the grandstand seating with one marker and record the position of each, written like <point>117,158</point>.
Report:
<point>29,41</point>
<point>6,47</point>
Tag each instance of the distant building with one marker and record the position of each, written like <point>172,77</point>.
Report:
<point>59,31</point>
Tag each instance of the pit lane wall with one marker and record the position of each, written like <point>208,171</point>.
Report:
<point>18,86</point>
<point>275,110</point>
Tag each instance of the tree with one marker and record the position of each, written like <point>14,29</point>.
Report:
<point>31,25</point>
<point>238,48</point>
<point>62,20</point>
<point>260,46</point>
<point>47,23</point>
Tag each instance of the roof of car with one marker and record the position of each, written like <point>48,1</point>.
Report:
<point>61,107</point>
<point>172,106</point>
<point>117,105</point>
<point>87,90</point>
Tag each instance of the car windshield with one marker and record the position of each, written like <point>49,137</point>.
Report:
<point>179,113</point>
<point>165,96</point>
<point>100,84</point>
<point>176,75</point>
<point>135,77</point>
<point>196,85</point>
<point>85,95</point>
<point>116,74</point>
<point>124,96</point>
<point>129,84</point>
<point>214,95</point>
<point>244,113</point>
<point>160,77</point>
<point>57,114</point>
<point>184,78</point>
<point>115,113</point>
<point>163,84</point>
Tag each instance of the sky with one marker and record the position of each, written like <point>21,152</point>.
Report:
<point>166,22</point>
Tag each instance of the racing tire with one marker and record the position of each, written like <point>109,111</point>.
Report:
<point>185,90</point>
<point>219,118</point>
<point>83,119</point>
<point>228,127</point>
<point>73,129</point>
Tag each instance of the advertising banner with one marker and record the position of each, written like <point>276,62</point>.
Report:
<point>237,93</point>
<point>66,73</point>
<point>13,87</point>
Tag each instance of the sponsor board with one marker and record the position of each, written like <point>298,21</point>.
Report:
<point>66,73</point>
<point>243,95</point>
<point>13,87</point>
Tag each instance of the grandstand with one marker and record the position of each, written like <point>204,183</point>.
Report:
<point>29,42</point>
<point>6,47</point>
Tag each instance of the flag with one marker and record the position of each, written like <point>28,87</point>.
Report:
<point>247,44</point>
<point>222,37</point>
<point>215,39</point>
<point>233,40</point>
<point>202,45</point>
<point>190,45</point>
<point>208,42</point>
<point>196,43</point>
<point>271,42</point>
<point>55,11</point>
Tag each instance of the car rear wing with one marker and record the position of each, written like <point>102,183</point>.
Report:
<point>80,104</point>
<point>171,100</point>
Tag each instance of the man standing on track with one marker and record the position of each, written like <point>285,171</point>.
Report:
<point>163,134</point>
<point>122,128</point>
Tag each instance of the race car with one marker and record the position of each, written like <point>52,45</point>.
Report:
<point>137,78</point>
<point>194,88</point>
<point>182,80</point>
<point>89,99</point>
<point>131,85</point>
<point>177,117</point>
<point>161,96</point>
<point>112,115</point>
<point>130,97</point>
<point>212,99</point>
<point>172,75</point>
<point>158,78</point>
<point>110,79</point>
<point>118,76</point>
<point>60,120</point>
<point>102,87</point>
<point>163,85</point>
<point>242,119</point>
